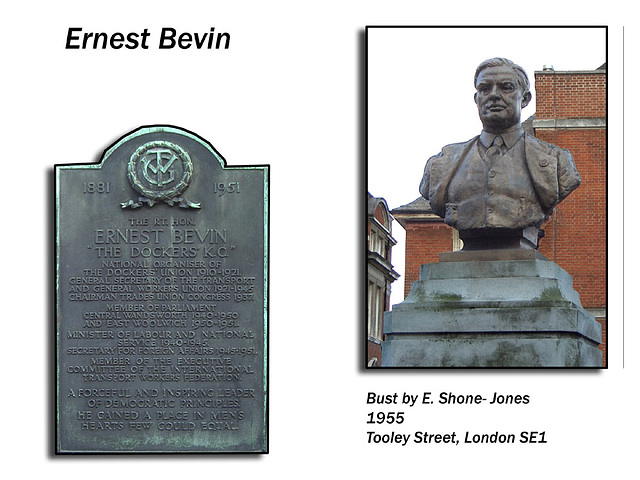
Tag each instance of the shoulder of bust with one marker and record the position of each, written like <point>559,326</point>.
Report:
<point>454,149</point>
<point>545,147</point>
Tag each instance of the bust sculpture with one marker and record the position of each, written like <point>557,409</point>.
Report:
<point>499,187</point>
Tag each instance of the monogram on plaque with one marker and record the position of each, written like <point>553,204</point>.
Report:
<point>160,171</point>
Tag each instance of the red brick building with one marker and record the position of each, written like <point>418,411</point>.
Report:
<point>571,112</point>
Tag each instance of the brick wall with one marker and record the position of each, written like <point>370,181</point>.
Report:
<point>575,235</point>
<point>424,242</point>
<point>577,94</point>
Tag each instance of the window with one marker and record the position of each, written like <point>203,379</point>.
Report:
<point>377,241</point>
<point>376,309</point>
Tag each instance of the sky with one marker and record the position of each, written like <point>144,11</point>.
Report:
<point>420,95</point>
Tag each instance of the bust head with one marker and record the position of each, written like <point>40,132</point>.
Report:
<point>502,91</point>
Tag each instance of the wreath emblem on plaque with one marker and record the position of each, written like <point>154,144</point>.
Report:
<point>160,171</point>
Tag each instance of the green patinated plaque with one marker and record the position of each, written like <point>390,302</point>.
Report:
<point>162,291</point>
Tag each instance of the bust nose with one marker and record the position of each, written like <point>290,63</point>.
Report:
<point>495,92</point>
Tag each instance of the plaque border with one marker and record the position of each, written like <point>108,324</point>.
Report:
<point>57,168</point>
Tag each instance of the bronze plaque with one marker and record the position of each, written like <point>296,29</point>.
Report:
<point>161,314</point>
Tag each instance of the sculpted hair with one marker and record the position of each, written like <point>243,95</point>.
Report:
<point>523,79</point>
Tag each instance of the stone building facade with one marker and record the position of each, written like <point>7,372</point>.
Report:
<point>380,273</point>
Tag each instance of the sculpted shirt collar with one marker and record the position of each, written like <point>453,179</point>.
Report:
<point>510,138</point>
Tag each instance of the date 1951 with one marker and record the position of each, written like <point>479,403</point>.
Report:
<point>222,188</point>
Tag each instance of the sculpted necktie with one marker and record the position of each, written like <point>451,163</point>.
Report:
<point>496,149</point>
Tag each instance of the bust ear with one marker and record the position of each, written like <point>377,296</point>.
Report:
<point>526,98</point>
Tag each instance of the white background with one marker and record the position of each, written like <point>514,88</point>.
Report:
<point>287,93</point>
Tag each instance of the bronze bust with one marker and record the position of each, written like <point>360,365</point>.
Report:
<point>502,184</point>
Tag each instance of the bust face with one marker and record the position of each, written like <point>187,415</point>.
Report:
<point>499,98</point>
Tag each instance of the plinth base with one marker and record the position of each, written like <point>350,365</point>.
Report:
<point>510,313</point>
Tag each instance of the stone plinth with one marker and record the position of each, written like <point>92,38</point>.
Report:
<point>507,313</point>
